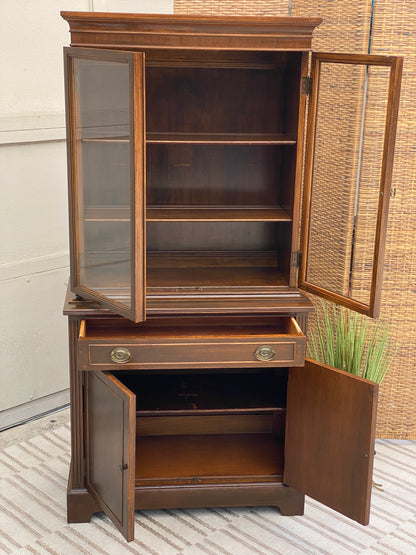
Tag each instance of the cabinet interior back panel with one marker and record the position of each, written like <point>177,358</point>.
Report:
<point>247,175</point>
<point>204,99</point>
<point>216,236</point>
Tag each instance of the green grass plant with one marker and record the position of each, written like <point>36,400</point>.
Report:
<point>346,340</point>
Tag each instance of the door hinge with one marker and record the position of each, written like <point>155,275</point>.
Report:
<point>296,259</point>
<point>306,85</point>
<point>124,466</point>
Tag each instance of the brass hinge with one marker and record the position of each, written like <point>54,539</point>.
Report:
<point>306,85</point>
<point>296,259</point>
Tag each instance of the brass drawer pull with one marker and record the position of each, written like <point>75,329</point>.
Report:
<point>264,352</point>
<point>121,355</point>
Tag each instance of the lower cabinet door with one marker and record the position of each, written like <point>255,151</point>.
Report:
<point>110,447</point>
<point>330,435</point>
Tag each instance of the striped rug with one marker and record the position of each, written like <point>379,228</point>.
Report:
<point>33,476</point>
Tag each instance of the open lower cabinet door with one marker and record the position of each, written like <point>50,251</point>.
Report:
<point>330,435</point>
<point>110,451</point>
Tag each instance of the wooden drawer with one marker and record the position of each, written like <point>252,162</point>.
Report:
<point>103,347</point>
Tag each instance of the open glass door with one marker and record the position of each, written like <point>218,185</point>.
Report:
<point>110,448</point>
<point>352,118</point>
<point>330,436</point>
<point>106,172</point>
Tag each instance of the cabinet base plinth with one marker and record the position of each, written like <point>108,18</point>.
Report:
<point>81,505</point>
<point>289,501</point>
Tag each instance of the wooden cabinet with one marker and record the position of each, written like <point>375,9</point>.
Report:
<point>187,147</point>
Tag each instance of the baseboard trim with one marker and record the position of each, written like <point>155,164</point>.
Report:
<point>33,410</point>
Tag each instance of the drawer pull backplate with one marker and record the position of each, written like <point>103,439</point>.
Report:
<point>264,352</point>
<point>121,355</point>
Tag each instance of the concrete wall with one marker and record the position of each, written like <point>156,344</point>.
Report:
<point>33,201</point>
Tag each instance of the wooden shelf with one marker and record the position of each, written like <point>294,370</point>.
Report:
<point>208,458</point>
<point>217,214</point>
<point>204,138</point>
<point>199,278</point>
<point>201,273</point>
<point>220,138</point>
<point>184,272</point>
<point>190,214</point>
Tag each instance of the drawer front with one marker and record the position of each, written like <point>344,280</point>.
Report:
<point>262,352</point>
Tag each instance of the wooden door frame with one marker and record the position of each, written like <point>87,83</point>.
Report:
<point>395,63</point>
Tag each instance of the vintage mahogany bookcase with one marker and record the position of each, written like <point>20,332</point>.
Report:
<point>186,156</point>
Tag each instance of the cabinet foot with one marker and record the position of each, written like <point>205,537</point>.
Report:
<point>81,505</point>
<point>292,502</point>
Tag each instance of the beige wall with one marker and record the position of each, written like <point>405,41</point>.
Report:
<point>33,201</point>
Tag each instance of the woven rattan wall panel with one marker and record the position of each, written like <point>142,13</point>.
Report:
<point>394,33</point>
<point>347,28</point>
<point>232,7</point>
<point>336,165</point>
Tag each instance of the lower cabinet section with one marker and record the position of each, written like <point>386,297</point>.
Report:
<point>201,430</point>
<point>227,437</point>
<point>194,439</point>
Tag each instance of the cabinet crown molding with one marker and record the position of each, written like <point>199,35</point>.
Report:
<point>173,31</point>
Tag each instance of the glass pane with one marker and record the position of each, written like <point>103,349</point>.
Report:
<point>350,120</point>
<point>103,175</point>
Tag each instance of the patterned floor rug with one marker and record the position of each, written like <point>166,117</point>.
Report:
<point>33,475</point>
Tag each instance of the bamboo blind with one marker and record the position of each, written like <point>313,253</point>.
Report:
<point>348,27</point>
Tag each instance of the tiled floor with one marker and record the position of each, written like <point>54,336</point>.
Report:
<point>33,428</point>
<point>34,464</point>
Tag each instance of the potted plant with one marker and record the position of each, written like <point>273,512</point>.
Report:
<point>348,341</point>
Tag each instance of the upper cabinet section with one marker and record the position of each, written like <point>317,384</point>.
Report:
<point>134,31</point>
<point>349,158</point>
<point>185,155</point>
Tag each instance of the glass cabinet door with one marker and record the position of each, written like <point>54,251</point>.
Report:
<point>106,166</point>
<point>348,165</point>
